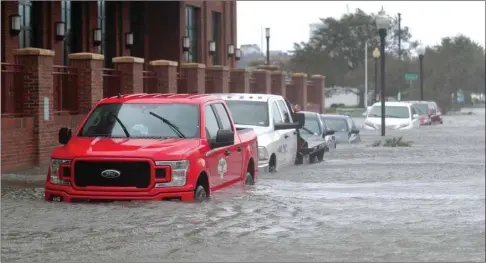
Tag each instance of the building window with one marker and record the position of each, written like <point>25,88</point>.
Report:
<point>191,32</point>
<point>66,18</point>
<point>137,23</point>
<point>25,12</point>
<point>217,37</point>
<point>75,33</point>
<point>101,24</point>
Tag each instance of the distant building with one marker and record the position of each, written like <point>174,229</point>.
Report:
<point>253,52</point>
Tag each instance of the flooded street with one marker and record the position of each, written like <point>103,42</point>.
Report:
<point>419,203</point>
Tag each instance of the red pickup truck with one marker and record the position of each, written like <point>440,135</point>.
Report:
<point>152,147</point>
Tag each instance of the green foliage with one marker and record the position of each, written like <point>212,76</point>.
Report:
<point>392,142</point>
<point>337,52</point>
<point>397,142</point>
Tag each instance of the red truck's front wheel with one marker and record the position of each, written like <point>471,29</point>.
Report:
<point>200,194</point>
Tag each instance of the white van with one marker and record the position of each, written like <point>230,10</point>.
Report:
<point>398,116</point>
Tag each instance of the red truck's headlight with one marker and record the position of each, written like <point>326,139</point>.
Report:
<point>179,172</point>
<point>56,166</point>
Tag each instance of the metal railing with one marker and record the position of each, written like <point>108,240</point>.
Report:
<point>12,76</point>
<point>182,84</point>
<point>65,80</point>
<point>149,82</point>
<point>111,82</point>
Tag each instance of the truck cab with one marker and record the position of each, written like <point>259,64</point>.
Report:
<point>152,147</point>
<point>274,122</point>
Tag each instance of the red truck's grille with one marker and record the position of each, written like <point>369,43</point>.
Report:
<point>130,173</point>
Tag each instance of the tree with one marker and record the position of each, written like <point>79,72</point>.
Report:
<point>337,49</point>
<point>457,63</point>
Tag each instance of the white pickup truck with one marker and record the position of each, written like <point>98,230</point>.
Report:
<point>273,120</point>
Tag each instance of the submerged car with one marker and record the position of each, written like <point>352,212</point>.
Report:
<point>345,130</point>
<point>312,140</point>
<point>435,113</point>
<point>398,116</point>
<point>422,109</point>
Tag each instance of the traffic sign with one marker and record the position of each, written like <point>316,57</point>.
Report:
<point>411,76</point>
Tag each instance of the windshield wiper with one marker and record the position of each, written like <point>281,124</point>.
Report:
<point>170,124</point>
<point>121,124</point>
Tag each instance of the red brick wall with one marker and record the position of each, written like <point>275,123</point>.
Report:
<point>165,28</point>
<point>228,34</point>
<point>9,43</point>
<point>17,153</point>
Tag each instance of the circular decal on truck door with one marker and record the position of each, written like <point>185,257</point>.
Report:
<point>222,167</point>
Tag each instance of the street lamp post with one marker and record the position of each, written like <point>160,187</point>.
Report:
<point>382,23</point>
<point>421,52</point>
<point>376,55</point>
<point>267,36</point>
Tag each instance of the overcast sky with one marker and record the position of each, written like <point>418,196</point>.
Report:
<point>289,21</point>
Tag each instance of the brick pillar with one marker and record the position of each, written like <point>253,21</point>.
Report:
<point>39,93</point>
<point>166,74</point>
<point>278,83</point>
<point>319,82</point>
<point>291,93</point>
<point>262,79</point>
<point>239,80</point>
<point>131,74</point>
<point>195,77</point>
<point>299,81</point>
<point>218,77</point>
<point>89,69</point>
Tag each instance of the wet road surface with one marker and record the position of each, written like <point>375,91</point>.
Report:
<point>421,203</point>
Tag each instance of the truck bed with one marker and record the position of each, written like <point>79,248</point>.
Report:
<point>246,134</point>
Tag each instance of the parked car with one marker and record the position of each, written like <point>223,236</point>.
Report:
<point>344,127</point>
<point>435,113</point>
<point>331,138</point>
<point>152,147</point>
<point>272,119</point>
<point>398,116</point>
<point>312,140</point>
<point>422,109</point>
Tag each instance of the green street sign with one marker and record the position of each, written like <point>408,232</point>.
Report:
<point>411,76</point>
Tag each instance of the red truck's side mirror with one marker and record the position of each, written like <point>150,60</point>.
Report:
<point>223,138</point>
<point>64,135</point>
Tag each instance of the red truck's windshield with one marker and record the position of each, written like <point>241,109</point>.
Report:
<point>143,121</point>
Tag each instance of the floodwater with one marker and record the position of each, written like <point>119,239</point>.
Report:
<point>420,203</point>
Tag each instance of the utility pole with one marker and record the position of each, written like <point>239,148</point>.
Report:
<point>399,36</point>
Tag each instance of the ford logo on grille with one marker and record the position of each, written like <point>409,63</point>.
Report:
<point>110,173</point>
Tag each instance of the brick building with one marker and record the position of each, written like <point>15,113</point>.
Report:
<point>157,27</point>
<point>60,57</point>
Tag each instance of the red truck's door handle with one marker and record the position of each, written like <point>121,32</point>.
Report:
<point>239,149</point>
<point>227,152</point>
